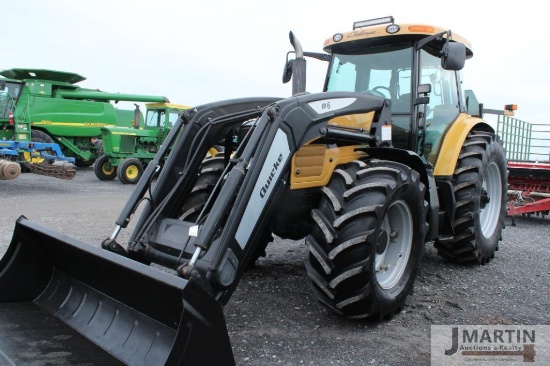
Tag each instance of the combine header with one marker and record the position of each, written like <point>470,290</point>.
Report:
<point>528,152</point>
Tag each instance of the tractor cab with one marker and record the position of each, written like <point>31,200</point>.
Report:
<point>415,67</point>
<point>9,94</point>
<point>162,116</point>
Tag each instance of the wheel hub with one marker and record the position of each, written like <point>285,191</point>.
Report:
<point>485,199</point>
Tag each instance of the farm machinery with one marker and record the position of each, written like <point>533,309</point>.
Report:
<point>126,152</point>
<point>20,149</point>
<point>528,151</point>
<point>47,107</point>
<point>386,159</point>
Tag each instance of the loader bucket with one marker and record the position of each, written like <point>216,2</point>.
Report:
<point>66,302</point>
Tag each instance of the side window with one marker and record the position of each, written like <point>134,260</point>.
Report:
<point>443,107</point>
<point>172,118</point>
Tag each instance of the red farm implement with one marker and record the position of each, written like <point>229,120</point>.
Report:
<point>527,148</point>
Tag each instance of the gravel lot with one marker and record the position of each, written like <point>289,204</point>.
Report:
<point>274,320</point>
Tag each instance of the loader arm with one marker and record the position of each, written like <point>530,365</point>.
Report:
<point>205,126</point>
<point>181,143</point>
<point>256,176</point>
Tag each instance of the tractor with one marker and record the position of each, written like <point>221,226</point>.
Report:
<point>389,157</point>
<point>126,152</point>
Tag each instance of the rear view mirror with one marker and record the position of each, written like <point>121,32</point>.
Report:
<point>287,72</point>
<point>453,56</point>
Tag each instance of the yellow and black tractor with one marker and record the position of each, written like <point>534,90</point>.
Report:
<point>391,156</point>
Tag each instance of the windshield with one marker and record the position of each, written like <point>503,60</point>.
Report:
<point>9,93</point>
<point>155,118</point>
<point>383,71</point>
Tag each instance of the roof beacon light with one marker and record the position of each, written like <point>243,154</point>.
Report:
<point>371,22</point>
<point>511,107</point>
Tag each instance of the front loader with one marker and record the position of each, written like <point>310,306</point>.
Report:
<point>390,156</point>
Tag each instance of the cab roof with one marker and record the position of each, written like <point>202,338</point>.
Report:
<point>166,105</point>
<point>385,30</point>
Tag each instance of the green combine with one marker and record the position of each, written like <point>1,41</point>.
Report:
<point>47,107</point>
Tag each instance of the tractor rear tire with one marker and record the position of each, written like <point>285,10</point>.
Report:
<point>480,186</point>
<point>104,170</point>
<point>130,171</point>
<point>367,242</point>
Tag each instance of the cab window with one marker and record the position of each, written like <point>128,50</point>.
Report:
<point>172,118</point>
<point>443,107</point>
<point>155,118</point>
<point>383,71</point>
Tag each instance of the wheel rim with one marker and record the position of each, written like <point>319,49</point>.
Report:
<point>29,158</point>
<point>132,172</point>
<point>107,169</point>
<point>397,235</point>
<point>489,213</point>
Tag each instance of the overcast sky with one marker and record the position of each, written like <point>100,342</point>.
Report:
<point>196,52</point>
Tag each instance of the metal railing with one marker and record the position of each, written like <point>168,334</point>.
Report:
<point>524,141</point>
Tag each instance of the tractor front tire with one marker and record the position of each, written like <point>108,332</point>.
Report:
<point>368,239</point>
<point>480,190</point>
<point>104,170</point>
<point>210,172</point>
<point>130,171</point>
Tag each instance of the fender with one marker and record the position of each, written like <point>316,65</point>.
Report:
<point>456,135</point>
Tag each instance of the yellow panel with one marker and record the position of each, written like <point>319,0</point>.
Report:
<point>452,143</point>
<point>309,160</point>
<point>312,165</point>
<point>166,105</point>
<point>362,120</point>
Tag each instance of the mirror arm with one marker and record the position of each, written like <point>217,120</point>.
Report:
<point>425,41</point>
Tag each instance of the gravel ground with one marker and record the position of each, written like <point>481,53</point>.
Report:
<point>272,317</point>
